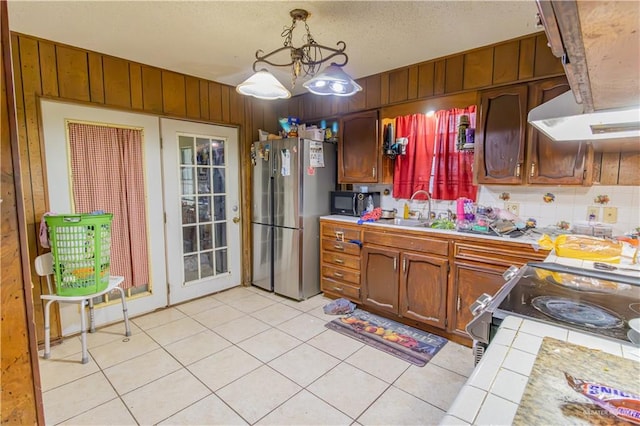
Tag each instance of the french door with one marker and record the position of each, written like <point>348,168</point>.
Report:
<point>201,197</point>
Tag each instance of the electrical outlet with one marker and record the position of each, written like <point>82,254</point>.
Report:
<point>513,208</point>
<point>593,211</point>
<point>610,215</point>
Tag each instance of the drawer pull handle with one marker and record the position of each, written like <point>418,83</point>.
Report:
<point>339,261</point>
<point>338,247</point>
<point>337,288</point>
<point>338,274</point>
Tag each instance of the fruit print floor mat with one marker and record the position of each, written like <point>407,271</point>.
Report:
<point>410,344</point>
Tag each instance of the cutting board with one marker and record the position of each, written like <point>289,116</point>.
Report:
<point>548,399</point>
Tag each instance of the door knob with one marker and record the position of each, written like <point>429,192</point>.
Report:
<point>236,219</point>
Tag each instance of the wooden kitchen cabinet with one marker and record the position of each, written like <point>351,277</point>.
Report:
<point>500,136</point>
<point>423,288</point>
<point>340,260</point>
<point>477,269</point>
<point>359,151</point>
<point>380,278</point>
<point>406,276</point>
<point>509,151</point>
<point>550,162</point>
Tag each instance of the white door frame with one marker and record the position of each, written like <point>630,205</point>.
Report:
<point>58,169</point>
<point>179,291</point>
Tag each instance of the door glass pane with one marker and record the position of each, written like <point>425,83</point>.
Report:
<point>206,264</point>
<point>204,180</point>
<point>217,150</point>
<point>221,261</point>
<point>221,234</point>
<point>185,144</point>
<point>191,267</point>
<point>219,207</point>
<point>204,209</point>
<point>188,210</point>
<point>203,151</point>
<point>218,180</point>
<point>204,218</point>
<point>206,238</point>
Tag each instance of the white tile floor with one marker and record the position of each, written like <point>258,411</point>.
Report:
<point>241,357</point>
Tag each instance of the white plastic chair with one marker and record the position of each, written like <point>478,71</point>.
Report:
<point>44,268</point>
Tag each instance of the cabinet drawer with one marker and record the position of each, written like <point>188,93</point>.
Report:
<point>340,247</point>
<point>334,231</point>
<point>341,259</point>
<point>419,244</point>
<point>342,274</point>
<point>339,288</point>
<point>498,256</point>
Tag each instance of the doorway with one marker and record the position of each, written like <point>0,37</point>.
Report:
<point>191,187</point>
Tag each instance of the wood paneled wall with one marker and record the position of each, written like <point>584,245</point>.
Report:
<point>513,61</point>
<point>56,71</point>
<point>21,396</point>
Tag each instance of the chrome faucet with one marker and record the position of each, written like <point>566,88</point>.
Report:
<point>422,191</point>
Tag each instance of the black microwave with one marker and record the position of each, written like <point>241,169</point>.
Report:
<point>353,203</point>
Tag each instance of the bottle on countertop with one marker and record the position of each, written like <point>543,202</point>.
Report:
<point>405,214</point>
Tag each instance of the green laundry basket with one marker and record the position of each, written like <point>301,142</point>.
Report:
<point>81,248</point>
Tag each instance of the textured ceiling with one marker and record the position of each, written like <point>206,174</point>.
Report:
<point>217,40</point>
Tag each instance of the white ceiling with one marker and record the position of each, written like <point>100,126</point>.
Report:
<point>217,40</point>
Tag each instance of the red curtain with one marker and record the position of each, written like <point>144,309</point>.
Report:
<point>107,171</point>
<point>453,175</point>
<point>413,170</point>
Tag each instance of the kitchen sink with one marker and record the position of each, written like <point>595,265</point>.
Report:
<point>406,222</point>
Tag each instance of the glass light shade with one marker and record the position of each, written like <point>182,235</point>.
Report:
<point>263,85</point>
<point>332,81</point>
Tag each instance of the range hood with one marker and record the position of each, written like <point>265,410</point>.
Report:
<point>563,119</point>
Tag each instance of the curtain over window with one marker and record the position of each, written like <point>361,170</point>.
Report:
<point>453,174</point>
<point>413,170</point>
<point>107,174</point>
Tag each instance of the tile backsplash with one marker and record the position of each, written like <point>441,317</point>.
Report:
<point>568,204</point>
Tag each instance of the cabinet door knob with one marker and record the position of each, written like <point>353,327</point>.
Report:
<point>404,265</point>
<point>395,263</point>
<point>518,169</point>
<point>373,171</point>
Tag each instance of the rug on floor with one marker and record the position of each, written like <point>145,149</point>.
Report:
<point>408,343</point>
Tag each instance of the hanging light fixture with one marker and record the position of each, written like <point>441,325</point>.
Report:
<point>304,61</point>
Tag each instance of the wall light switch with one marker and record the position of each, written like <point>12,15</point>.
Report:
<point>593,213</point>
<point>610,215</point>
<point>513,208</point>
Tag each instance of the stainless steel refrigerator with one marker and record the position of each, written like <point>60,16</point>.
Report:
<point>290,191</point>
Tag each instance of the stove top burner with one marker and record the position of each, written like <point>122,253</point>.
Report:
<point>578,313</point>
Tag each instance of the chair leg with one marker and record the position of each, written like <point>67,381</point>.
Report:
<point>125,313</point>
<point>92,321</point>
<point>47,330</point>
<point>83,333</point>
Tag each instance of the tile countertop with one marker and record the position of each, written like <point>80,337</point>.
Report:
<point>494,390</point>
<point>354,220</point>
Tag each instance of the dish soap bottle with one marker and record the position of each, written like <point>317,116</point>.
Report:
<point>405,214</point>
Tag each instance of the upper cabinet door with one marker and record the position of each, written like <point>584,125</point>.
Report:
<point>500,142</point>
<point>358,152</point>
<point>548,161</point>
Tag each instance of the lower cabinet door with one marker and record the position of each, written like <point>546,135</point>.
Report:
<point>380,278</point>
<point>470,281</point>
<point>423,288</point>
